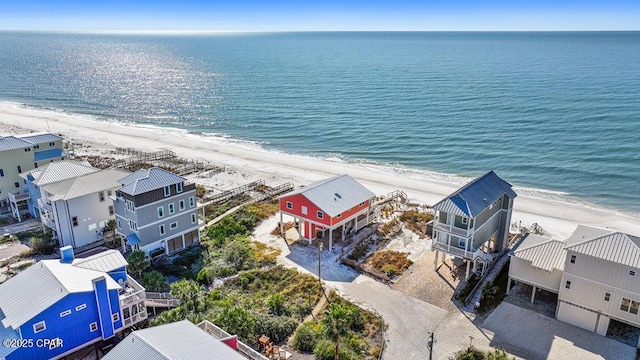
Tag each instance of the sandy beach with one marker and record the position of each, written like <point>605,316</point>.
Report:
<point>247,162</point>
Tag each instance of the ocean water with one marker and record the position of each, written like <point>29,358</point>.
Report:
<point>556,114</point>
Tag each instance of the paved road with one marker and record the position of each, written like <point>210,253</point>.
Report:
<point>12,249</point>
<point>20,227</point>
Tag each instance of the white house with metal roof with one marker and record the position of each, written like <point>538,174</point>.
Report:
<point>473,222</point>
<point>325,205</point>
<point>21,153</point>
<point>68,303</point>
<point>594,272</point>
<point>156,211</point>
<point>181,340</point>
<point>73,200</point>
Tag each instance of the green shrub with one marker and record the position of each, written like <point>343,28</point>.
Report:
<point>41,245</point>
<point>277,328</point>
<point>204,277</point>
<point>305,338</point>
<point>325,349</point>
<point>276,304</point>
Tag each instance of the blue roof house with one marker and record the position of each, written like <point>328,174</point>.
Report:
<point>473,222</point>
<point>56,307</point>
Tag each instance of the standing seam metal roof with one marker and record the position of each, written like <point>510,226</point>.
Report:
<point>85,184</point>
<point>60,170</point>
<point>180,340</point>
<point>146,180</point>
<point>616,247</point>
<point>544,254</point>
<point>334,195</point>
<point>471,199</point>
<point>12,143</point>
<point>105,261</point>
<point>40,138</point>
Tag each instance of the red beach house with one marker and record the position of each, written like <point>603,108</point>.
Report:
<point>327,204</point>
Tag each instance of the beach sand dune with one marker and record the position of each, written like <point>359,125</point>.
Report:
<point>246,162</point>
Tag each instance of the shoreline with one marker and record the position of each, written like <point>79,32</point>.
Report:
<point>248,162</point>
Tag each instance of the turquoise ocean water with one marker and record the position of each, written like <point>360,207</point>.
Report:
<point>557,113</point>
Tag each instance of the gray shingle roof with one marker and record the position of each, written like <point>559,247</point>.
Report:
<point>471,199</point>
<point>12,143</point>
<point>334,195</point>
<point>85,184</point>
<point>180,340</point>
<point>42,285</point>
<point>615,247</point>
<point>146,180</point>
<point>544,254</point>
<point>40,138</point>
<point>59,171</point>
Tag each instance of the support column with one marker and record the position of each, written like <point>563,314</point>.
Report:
<point>343,231</point>
<point>330,238</point>
<point>281,225</point>
<point>508,285</point>
<point>533,294</point>
<point>356,228</point>
<point>435,261</point>
<point>468,269</point>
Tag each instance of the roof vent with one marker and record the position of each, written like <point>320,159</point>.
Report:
<point>338,196</point>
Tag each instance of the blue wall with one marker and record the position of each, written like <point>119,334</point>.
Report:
<point>119,274</point>
<point>35,195</point>
<point>73,329</point>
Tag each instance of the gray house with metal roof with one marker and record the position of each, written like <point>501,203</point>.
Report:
<point>473,222</point>
<point>594,272</point>
<point>21,153</point>
<point>156,211</point>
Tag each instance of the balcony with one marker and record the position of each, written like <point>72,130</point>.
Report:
<point>44,206</point>
<point>132,296</point>
<point>23,196</point>
<point>452,249</point>
<point>450,229</point>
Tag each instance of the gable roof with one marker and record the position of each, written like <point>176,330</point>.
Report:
<point>179,340</point>
<point>59,171</point>
<point>85,184</point>
<point>12,143</point>
<point>105,261</point>
<point>145,180</point>
<point>41,285</point>
<point>544,254</point>
<point>471,199</point>
<point>617,247</point>
<point>40,137</point>
<point>334,195</point>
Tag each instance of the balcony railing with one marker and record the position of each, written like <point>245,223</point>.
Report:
<point>132,297</point>
<point>44,206</point>
<point>19,196</point>
<point>218,333</point>
<point>452,229</point>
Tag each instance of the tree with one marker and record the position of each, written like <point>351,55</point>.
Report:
<point>276,304</point>
<point>154,281</point>
<point>237,320</point>
<point>138,262</point>
<point>335,324</point>
<point>188,292</point>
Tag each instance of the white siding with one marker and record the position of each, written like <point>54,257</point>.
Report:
<point>603,271</point>
<point>521,270</point>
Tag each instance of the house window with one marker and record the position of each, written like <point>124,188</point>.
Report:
<point>320,214</point>
<point>19,169</point>
<point>81,307</point>
<point>181,205</point>
<point>93,326</point>
<point>101,196</point>
<point>567,284</point>
<point>193,218</point>
<point>192,202</point>
<point>179,187</point>
<point>167,191</point>
<point>1,173</point>
<point>465,220</point>
<point>304,210</point>
<point>462,243</point>
<point>161,229</point>
<point>38,327</point>
<point>119,225</point>
<point>629,306</point>
<point>173,225</point>
<point>109,193</point>
<point>339,216</point>
<point>110,210</point>
<point>115,317</point>
<point>65,313</point>
<point>632,273</point>
<point>130,205</point>
<point>172,208</point>
<point>289,205</point>
<point>35,165</point>
<point>607,296</point>
<point>74,221</point>
<point>133,225</point>
<point>573,259</point>
<point>51,144</point>
<point>634,307</point>
<point>126,313</point>
<point>160,211</point>
<point>17,184</point>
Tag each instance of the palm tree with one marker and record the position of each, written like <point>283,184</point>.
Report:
<point>138,262</point>
<point>335,324</point>
<point>188,292</point>
<point>154,281</point>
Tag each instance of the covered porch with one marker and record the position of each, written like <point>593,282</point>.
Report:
<point>18,204</point>
<point>310,230</point>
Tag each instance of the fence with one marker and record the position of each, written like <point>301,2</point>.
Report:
<point>165,158</point>
<point>226,195</point>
